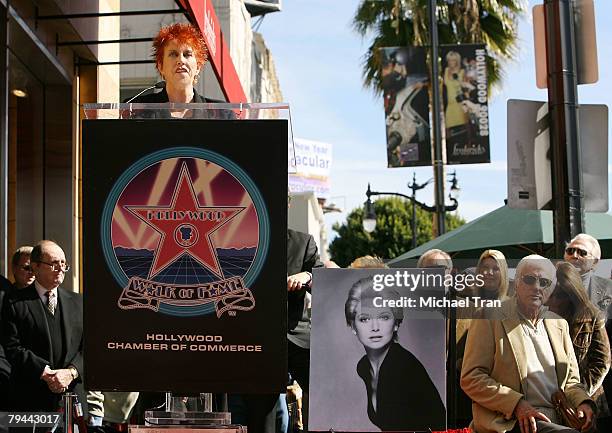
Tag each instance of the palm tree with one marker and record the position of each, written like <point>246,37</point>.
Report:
<point>405,22</point>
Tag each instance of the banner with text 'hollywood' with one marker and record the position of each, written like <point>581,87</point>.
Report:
<point>465,97</point>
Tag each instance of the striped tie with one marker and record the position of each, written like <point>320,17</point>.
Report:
<point>51,302</point>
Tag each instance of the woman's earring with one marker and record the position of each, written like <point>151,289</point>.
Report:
<point>354,332</point>
<point>195,79</point>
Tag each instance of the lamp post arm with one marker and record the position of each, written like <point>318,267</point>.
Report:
<point>371,193</point>
<point>452,207</point>
<point>418,203</point>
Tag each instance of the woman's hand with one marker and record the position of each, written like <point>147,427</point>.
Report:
<point>526,416</point>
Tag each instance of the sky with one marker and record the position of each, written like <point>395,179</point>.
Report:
<point>318,60</point>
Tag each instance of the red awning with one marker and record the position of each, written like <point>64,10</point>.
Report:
<point>202,13</point>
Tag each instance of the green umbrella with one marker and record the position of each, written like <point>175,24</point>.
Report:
<point>515,232</point>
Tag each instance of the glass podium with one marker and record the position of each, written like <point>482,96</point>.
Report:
<point>180,413</point>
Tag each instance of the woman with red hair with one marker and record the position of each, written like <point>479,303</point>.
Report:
<point>180,53</point>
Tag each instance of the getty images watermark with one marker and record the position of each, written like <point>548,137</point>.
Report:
<point>430,284</point>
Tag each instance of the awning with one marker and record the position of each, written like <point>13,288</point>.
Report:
<point>515,232</point>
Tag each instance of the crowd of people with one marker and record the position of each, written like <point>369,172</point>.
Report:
<point>548,339</point>
<point>548,336</point>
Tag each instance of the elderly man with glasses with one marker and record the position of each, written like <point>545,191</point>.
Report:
<point>518,356</point>
<point>584,253</point>
<point>43,334</point>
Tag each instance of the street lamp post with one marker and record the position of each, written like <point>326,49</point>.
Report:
<point>369,217</point>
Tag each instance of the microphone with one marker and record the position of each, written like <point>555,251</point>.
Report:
<point>159,85</point>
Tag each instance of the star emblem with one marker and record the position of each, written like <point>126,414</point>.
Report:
<point>185,227</point>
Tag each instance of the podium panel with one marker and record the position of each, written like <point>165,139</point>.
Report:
<point>184,251</point>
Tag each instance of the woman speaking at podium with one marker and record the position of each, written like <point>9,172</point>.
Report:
<point>180,54</point>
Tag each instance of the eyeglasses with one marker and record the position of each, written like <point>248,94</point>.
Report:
<point>571,250</point>
<point>26,268</point>
<point>530,280</point>
<point>64,267</point>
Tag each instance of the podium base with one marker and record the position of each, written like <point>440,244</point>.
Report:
<point>196,419</point>
<point>187,429</point>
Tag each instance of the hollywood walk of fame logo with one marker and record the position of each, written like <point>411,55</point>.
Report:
<point>186,234</point>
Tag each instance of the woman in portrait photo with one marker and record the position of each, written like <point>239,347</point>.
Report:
<point>400,393</point>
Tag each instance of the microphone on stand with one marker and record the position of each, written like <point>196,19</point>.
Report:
<point>158,85</point>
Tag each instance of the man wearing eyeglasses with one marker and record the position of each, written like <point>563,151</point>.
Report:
<point>517,357</point>
<point>43,335</point>
<point>584,253</point>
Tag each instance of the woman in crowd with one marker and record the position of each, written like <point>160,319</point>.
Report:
<point>493,270</point>
<point>518,356</point>
<point>400,393</point>
<point>587,330</point>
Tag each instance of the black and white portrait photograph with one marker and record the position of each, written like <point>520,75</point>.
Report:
<point>374,366</point>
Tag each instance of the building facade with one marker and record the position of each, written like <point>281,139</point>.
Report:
<point>50,71</point>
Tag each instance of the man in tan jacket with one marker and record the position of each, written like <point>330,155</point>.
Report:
<point>518,356</point>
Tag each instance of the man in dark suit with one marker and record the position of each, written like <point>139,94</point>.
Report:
<point>43,335</point>
<point>5,288</point>
<point>302,257</point>
<point>5,368</point>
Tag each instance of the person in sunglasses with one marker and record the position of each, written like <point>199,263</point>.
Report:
<point>517,357</point>
<point>584,253</point>
<point>20,265</point>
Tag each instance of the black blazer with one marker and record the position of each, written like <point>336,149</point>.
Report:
<point>28,346</point>
<point>302,256</point>
<point>162,97</point>
<point>406,398</point>
<point>5,372</point>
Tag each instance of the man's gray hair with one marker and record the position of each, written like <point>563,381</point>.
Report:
<point>25,250</point>
<point>591,241</point>
<point>545,264</point>
<point>448,262</point>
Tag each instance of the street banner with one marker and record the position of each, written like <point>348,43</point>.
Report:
<point>405,81</point>
<point>309,167</point>
<point>378,350</point>
<point>466,112</point>
<point>529,163</point>
<point>182,273</point>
